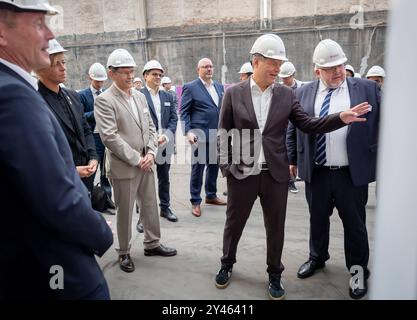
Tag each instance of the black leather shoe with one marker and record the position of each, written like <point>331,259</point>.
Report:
<point>139,227</point>
<point>126,263</point>
<point>161,251</point>
<point>359,293</point>
<point>308,268</point>
<point>169,215</point>
<point>223,276</point>
<point>110,204</point>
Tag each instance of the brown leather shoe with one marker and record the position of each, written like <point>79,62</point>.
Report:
<point>196,210</point>
<point>216,201</point>
<point>126,263</point>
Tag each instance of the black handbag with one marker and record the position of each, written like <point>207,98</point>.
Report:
<point>99,198</point>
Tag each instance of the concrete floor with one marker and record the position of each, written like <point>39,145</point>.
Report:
<point>190,274</point>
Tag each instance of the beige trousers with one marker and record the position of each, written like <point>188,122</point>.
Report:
<point>126,191</point>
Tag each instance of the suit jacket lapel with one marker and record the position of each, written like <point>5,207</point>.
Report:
<point>247,102</point>
<point>202,87</point>
<point>59,112</point>
<point>150,103</point>
<point>353,94</point>
<point>125,104</point>
<point>311,97</point>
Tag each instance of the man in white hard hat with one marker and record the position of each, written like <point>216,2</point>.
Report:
<point>166,83</point>
<point>137,83</point>
<point>245,71</point>
<point>200,107</point>
<point>336,167</point>
<point>377,74</point>
<point>164,116</point>
<point>126,128</point>
<point>50,233</point>
<point>97,75</point>
<point>350,71</point>
<point>254,116</point>
<point>67,107</point>
<point>287,75</point>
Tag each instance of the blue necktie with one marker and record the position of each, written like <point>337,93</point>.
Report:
<point>321,138</point>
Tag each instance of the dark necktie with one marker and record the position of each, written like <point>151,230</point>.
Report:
<point>98,92</point>
<point>321,138</point>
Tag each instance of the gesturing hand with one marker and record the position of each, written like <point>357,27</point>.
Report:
<point>353,114</point>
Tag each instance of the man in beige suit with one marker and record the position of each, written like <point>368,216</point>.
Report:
<point>126,129</point>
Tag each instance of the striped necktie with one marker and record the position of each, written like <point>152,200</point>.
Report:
<point>321,138</point>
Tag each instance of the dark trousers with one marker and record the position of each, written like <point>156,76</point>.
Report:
<point>163,185</point>
<point>241,197</point>
<point>334,188</point>
<point>89,183</point>
<point>100,293</point>
<point>197,171</point>
<point>100,148</point>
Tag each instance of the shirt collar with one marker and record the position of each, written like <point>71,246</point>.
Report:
<point>124,94</point>
<point>152,91</point>
<point>94,90</point>
<point>206,84</point>
<point>254,86</point>
<point>21,72</point>
<point>324,88</point>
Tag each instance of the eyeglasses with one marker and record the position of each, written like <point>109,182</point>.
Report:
<point>127,73</point>
<point>333,69</point>
<point>159,75</point>
<point>209,66</point>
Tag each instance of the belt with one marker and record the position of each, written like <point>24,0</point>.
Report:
<point>333,168</point>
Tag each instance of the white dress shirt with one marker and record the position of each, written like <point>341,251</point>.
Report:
<point>261,104</point>
<point>21,72</point>
<point>336,150</point>
<point>157,105</point>
<point>212,91</point>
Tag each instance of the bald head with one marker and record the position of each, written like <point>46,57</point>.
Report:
<point>205,69</point>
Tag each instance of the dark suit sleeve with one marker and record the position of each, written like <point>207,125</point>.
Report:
<point>292,144</point>
<point>309,124</point>
<point>173,117</point>
<point>89,114</point>
<point>224,140</point>
<point>39,166</point>
<point>186,105</point>
<point>89,138</point>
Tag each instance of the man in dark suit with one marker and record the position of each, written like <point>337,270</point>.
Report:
<point>253,156</point>
<point>200,107</point>
<point>338,166</point>
<point>98,75</point>
<point>164,117</point>
<point>49,232</point>
<point>66,106</point>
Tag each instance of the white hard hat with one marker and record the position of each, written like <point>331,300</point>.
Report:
<point>246,68</point>
<point>97,72</point>
<point>55,47</point>
<point>270,46</point>
<point>32,5</point>
<point>152,64</point>
<point>376,71</point>
<point>357,75</point>
<point>350,68</point>
<point>287,70</point>
<point>137,79</point>
<point>165,80</point>
<point>120,58</point>
<point>328,53</point>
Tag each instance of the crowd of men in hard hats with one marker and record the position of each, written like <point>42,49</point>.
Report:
<point>128,131</point>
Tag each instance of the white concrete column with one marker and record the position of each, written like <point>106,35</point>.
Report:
<point>265,14</point>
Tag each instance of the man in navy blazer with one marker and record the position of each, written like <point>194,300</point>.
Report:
<point>49,233</point>
<point>200,108</point>
<point>336,167</point>
<point>164,116</point>
<point>98,75</point>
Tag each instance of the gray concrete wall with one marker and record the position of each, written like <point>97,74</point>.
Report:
<point>181,32</point>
